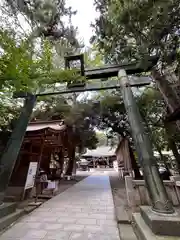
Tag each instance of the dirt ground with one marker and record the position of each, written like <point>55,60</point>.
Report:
<point>122,212</point>
<point>118,190</point>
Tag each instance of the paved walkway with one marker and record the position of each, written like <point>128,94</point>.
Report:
<point>84,211</point>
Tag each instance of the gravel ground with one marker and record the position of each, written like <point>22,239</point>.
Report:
<point>118,190</point>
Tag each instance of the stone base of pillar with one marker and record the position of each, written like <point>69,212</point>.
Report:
<point>161,224</point>
<point>143,231</point>
<point>149,225</point>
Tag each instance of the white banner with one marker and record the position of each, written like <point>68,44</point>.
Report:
<point>51,185</point>
<point>31,175</point>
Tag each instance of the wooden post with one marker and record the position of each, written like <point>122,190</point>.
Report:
<point>38,166</point>
<point>13,147</point>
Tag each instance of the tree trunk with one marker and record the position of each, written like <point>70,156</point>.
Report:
<point>61,161</point>
<point>13,147</point>
<point>172,146</point>
<point>134,164</point>
<point>71,162</point>
<point>170,97</point>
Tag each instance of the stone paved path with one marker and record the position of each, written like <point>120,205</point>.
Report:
<point>84,211</point>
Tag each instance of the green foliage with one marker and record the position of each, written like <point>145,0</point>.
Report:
<point>76,116</point>
<point>151,105</point>
<point>92,57</point>
<point>9,111</point>
<point>134,30</point>
<point>25,70</point>
<point>112,114</point>
<point>26,61</point>
<point>27,56</point>
<point>44,18</point>
<point>152,109</point>
<point>130,30</point>
<point>102,138</point>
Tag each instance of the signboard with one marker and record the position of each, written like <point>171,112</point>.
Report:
<point>31,175</point>
<point>51,185</point>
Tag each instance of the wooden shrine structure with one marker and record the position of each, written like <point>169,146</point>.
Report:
<point>42,139</point>
<point>101,156</point>
<point>123,158</point>
<point>126,161</point>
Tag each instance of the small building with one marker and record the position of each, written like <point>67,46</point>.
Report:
<point>124,158</point>
<point>127,162</point>
<point>104,155</point>
<point>41,141</point>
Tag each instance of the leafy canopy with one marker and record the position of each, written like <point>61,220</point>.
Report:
<point>24,69</point>
<point>131,30</point>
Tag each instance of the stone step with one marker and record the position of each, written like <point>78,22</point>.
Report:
<point>30,208</point>
<point>126,232</point>
<point>10,199</point>
<point>6,221</point>
<point>143,232</point>
<point>121,215</point>
<point>44,196</point>
<point>7,208</point>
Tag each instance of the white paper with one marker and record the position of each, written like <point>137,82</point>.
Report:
<point>31,175</point>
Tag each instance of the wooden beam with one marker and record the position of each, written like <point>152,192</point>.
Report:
<point>97,86</point>
<point>47,138</point>
<point>112,70</point>
<point>106,71</point>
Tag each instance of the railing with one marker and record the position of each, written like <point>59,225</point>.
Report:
<point>137,193</point>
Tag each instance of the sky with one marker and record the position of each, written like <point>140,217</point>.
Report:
<point>86,14</point>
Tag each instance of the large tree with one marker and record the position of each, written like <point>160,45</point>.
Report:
<point>34,38</point>
<point>164,136</point>
<point>30,59</point>
<point>33,34</point>
<point>109,115</point>
<point>135,30</point>
<point>44,18</point>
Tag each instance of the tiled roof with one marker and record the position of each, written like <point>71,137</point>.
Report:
<point>55,125</point>
<point>103,151</point>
